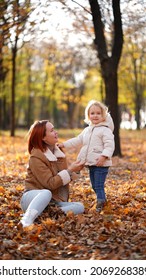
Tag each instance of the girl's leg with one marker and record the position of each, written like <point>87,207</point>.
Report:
<point>97,178</point>
<point>91,174</point>
<point>100,174</point>
<point>75,207</point>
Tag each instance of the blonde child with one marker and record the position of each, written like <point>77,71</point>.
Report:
<point>97,147</point>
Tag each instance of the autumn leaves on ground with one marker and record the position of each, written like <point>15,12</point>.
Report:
<point>118,232</point>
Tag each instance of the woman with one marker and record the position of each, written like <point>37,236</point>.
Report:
<point>47,174</point>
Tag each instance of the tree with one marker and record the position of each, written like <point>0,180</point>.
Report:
<point>133,77</point>
<point>14,18</point>
<point>136,49</point>
<point>109,59</point>
<point>63,74</point>
<point>4,35</point>
<point>108,43</point>
<point>20,13</point>
<point>139,74</point>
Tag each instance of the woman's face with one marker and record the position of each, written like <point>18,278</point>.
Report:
<point>51,136</point>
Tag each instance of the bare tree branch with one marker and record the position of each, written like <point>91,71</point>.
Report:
<point>82,7</point>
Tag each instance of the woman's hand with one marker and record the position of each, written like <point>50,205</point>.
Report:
<point>76,166</point>
<point>60,145</point>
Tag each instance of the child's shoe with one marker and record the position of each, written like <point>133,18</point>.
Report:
<point>100,206</point>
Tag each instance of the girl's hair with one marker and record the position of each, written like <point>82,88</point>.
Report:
<point>104,110</point>
<point>36,134</point>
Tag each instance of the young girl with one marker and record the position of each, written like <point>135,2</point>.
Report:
<point>97,141</point>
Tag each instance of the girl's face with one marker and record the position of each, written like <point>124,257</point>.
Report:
<point>51,136</point>
<point>95,114</point>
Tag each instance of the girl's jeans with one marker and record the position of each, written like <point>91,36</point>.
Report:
<point>39,199</point>
<point>98,177</point>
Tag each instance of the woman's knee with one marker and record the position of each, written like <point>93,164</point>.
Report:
<point>47,194</point>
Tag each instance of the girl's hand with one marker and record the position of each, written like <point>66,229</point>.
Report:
<point>101,161</point>
<point>60,145</point>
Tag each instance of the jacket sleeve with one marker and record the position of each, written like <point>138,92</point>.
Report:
<point>45,177</point>
<point>74,142</point>
<point>109,143</point>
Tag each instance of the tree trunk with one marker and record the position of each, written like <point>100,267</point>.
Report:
<point>137,110</point>
<point>138,93</point>
<point>109,64</point>
<point>111,88</point>
<point>29,111</point>
<point>14,52</point>
<point>29,116</point>
<point>70,113</point>
<point>3,111</point>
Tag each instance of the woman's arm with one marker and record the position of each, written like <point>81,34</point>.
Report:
<point>44,176</point>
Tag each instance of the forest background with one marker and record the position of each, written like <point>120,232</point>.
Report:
<point>51,65</point>
<point>51,61</point>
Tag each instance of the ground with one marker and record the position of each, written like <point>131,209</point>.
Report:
<point>117,233</point>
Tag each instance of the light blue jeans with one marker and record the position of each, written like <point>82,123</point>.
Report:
<point>39,200</point>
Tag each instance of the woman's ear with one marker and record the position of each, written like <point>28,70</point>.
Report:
<point>44,139</point>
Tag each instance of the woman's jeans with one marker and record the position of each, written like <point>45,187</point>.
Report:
<point>39,199</point>
<point>98,177</point>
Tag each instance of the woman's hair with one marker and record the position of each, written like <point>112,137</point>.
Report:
<point>36,134</point>
<point>104,110</point>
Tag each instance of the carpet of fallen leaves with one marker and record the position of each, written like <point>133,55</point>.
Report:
<point>118,232</point>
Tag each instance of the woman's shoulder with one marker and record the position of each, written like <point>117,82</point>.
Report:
<point>37,153</point>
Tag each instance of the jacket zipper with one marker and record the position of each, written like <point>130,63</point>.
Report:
<point>89,144</point>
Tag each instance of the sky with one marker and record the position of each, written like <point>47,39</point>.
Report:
<point>57,24</point>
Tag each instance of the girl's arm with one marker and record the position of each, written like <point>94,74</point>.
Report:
<point>74,142</point>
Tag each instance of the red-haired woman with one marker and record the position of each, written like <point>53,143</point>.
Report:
<point>47,174</point>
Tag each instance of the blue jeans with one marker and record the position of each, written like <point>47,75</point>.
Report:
<point>97,178</point>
